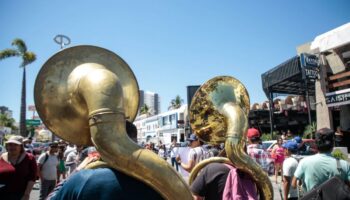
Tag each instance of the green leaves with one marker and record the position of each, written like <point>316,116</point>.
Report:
<point>28,58</point>
<point>20,51</point>
<point>176,103</point>
<point>21,46</point>
<point>144,109</point>
<point>6,53</point>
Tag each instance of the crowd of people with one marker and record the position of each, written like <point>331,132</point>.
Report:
<point>20,169</point>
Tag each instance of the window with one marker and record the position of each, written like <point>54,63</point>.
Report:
<point>166,120</point>
<point>182,116</point>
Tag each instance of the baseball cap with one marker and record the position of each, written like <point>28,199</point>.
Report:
<point>297,139</point>
<point>290,145</point>
<point>53,144</point>
<point>253,133</point>
<point>192,137</point>
<point>16,139</point>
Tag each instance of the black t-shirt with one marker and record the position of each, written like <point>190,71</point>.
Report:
<point>210,183</point>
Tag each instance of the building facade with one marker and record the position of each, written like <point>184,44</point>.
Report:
<point>164,127</point>
<point>333,86</point>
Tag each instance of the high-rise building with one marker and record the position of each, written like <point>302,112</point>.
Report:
<point>152,100</point>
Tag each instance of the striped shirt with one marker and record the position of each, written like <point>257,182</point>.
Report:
<point>256,152</point>
<point>198,154</point>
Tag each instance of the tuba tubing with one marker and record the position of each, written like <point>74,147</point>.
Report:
<point>219,113</point>
<point>100,90</point>
<point>234,147</point>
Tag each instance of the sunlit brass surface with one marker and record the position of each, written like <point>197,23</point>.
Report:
<point>68,119</point>
<point>218,113</point>
<point>90,101</point>
<point>205,118</point>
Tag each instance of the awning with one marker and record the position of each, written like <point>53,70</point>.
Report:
<point>286,78</point>
<point>332,39</point>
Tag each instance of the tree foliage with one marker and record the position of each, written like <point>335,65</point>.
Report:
<point>145,110</point>
<point>6,121</point>
<point>176,103</point>
<point>28,57</point>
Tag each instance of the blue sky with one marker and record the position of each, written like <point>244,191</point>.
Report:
<point>169,44</point>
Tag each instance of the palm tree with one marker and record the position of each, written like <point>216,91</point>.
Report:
<point>6,121</point>
<point>27,58</point>
<point>176,103</point>
<point>145,110</point>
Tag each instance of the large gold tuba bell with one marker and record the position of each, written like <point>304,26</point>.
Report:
<point>219,113</point>
<point>84,94</point>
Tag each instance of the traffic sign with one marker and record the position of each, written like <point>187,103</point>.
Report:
<point>33,122</point>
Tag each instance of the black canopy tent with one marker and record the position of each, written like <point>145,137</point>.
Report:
<point>286,78</point>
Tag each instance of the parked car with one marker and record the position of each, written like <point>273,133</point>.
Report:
<point>307,147</point>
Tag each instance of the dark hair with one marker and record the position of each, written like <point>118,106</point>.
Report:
<point>325,140</point>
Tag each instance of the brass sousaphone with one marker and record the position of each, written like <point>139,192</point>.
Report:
<point>84,94</point>
<point>219,114</point>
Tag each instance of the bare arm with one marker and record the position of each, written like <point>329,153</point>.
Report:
<point>189,166</point>
<point>286,185</point>
<point>39,171</point>
<point>28,190</point>
<point>294,182</point>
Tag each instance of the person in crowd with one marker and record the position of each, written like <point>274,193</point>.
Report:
<point>316,169</point>
<point>153,148</point>
<point>174,151</point>
<point>72,160</point>
<point>339,137</point>
<point>290,135</point>
<point>61,166</point>
<point>284,136</point>
<point>302,149</point>
<point>255,150</point>
<point>290,164</point>
<point>278,155</point>
<point>148,146</point>
<point>18,171</point>
<point>162,152</point>
<point>71,147</point>
<point>28,147</point>
<point>48,170</point>
<point>197,153</point>
<point>102,183</point>
<point>221,181</point>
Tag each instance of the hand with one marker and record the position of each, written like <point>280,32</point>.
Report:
<point>25,197</point>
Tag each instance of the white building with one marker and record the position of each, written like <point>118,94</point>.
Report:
<point>163,127</point>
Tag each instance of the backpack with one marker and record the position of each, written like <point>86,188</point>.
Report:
<point>239,186</point>
<point>46,158</point>
<point>334,188</point>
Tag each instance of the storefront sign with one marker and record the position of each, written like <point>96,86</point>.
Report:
<point>338,98</point>
<point>310,66</point>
